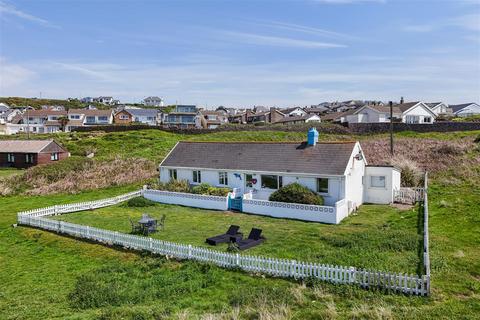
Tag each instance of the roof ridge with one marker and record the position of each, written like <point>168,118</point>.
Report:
<point>269,142</point>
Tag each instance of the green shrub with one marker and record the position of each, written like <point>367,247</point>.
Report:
<point>208,189</point>
<point>140,202</point>
<point>175,186</point>
<point>296,193</point>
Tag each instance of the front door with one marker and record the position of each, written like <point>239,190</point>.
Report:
<point>248,182</point>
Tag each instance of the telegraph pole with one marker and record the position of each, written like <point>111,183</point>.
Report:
<point>391,127</point>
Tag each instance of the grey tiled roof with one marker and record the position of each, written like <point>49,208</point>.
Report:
<point>143,112</point>
<point>458,107</point>
<point>29,146</point>
<point>324,158</point>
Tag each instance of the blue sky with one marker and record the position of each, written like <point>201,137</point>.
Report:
<point>242,53</point>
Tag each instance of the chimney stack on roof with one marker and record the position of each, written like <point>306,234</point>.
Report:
<point>312,137</point>
<point>401,100</point>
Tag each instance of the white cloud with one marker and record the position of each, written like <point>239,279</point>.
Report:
<point>214,81</point>
<point>9,9</point>
<point>307,29</point>
<point>257,39</point>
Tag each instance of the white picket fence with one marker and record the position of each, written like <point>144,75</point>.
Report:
<point>395,282</point>
<point>408,195</point>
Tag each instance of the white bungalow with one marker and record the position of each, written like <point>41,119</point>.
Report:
<point>336,170</point>
<point>411,112</point>
<point>466,109</point>
<point>439,108</point>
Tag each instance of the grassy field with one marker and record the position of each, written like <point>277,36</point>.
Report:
<point>9,172</point>
<point>43,275</point>
<point>379,237</point>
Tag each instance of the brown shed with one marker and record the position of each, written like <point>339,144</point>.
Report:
<point>27,153</point>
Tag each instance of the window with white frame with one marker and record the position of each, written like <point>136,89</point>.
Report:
<point>427,119</point>
<point>54,156</point>
<point>271,181</point>
<point>249,180</point>
<point>322,185</point>
<point>377,181</point>
<point>223,178</point>
<point>124,117</point>
<point>197,176</point>
<point>412,119</point>
<point>29,158</point>
<point>172,173</point>
<point>10,157</point>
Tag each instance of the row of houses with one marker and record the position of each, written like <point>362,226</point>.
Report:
<point>51,119</point>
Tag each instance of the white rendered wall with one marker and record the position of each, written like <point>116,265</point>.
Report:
<point>304,212</point>
<point>236,179</point>
<point>187,199</point>
<point>419,111</point>
<point>354,179</point>
<point>380,195</point>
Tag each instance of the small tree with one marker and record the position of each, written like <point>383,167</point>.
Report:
<point>296,193</point>
<point>63,122</point>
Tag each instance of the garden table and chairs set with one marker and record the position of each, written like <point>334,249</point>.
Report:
<point>147,225</point>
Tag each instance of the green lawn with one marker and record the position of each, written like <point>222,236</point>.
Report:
<point>379,237</point>
<point>45,275</point>
<point>8,172</point>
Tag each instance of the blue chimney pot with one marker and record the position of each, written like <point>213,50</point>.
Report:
<point>312,137</point>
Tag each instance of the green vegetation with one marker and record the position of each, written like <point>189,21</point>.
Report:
<point>296,193</point>
<point>379,237</point>
<point>139,202</point>
<point>37,103</point>
<point>207,189</point>
<point>9,172</point>
<point>44,275</point>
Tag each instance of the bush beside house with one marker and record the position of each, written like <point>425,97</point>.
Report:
<point>296,193</point>
<point>184,186</point>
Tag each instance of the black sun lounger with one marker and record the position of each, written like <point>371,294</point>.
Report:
<point>232,232</point>
<point>254,239</point>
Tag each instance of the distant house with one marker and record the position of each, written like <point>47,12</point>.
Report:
<point>466,109</point>
<point>338,117</point>
<point>183,116</point>
<point>337,170</point>
<point>7,114</point>
<point>27,153</point>
<point>299,119</point>
<point>211,119</point>
<point>37,121</point>
<point>144,116</point>
<point>153,101</point>
<point>294,112</point>
<point>123,117</point>
<point>318,110</point>
<point>88,117</point>
<point>439,108</point>
<point>411,112</point>
<point>271,116</point>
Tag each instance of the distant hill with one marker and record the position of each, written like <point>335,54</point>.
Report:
<point>37,103</point>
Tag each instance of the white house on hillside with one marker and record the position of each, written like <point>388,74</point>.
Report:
<point>153,101</point>
<point>411,112</point>
<point>439,108</point>
<point>338,171</point>
<point>466,109</point>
